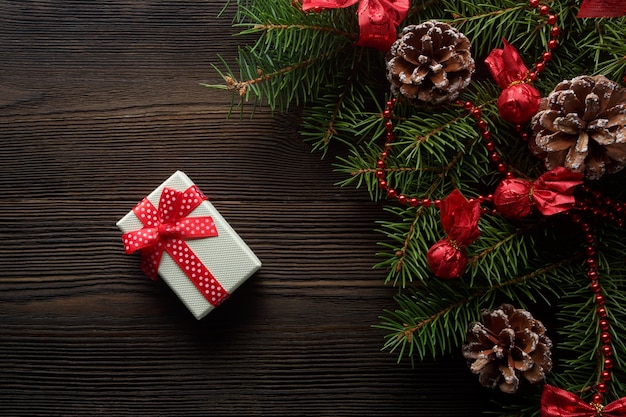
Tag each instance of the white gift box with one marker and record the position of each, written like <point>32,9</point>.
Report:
<point>226,255</point>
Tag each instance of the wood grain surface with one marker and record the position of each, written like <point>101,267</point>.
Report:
<point>99,103</point>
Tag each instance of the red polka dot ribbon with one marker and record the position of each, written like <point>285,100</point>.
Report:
<point>166,229</point>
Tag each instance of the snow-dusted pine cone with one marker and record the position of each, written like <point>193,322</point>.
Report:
<point>581,125</point>
<point>430,62</point>
<point>508,343</point>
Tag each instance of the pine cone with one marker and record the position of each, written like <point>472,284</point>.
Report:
<point>581,125</point>
<point>430,62</point>
<point>508,343</point>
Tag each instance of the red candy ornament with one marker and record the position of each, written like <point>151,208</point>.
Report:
<point>602,8</point>
<point>556,402</point>
<point>519,100</point>
<point>459,217</point>
<point>551,193</point>
<point>378,19</point>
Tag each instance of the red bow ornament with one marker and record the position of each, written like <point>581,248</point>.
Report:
<point>459,218</point>
<point>551,193</point>
<point>166,229</point>
<point>556,402</point>
<point>519,100</point>
<point>378,19</point>
<point>602,8</point>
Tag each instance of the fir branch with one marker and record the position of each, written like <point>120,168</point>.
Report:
<point>430,323</point>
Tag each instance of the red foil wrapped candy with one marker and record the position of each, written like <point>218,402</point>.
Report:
<point>519,100</point>
<point>459,218</point>
<point>551,193</point>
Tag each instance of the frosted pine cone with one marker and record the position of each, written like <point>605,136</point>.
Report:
<point>430,62</point>
<point>509,343</point>
<point>581,125</point>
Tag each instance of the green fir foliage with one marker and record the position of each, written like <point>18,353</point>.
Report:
<point>310,60</point>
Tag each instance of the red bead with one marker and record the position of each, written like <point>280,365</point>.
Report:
<point>597,398</point>
<point>552,43</point>
<point>380,163</point>
<point>490,146</point>
<point>494,157</point>
<point>382,184</point>
<point>608,363</point>
<point>599,299</point>
<point>595,287</point>
<point>380,174</point>
<point>414,202</point>
<point>604,324</point>
<point>605,337</point>
<point>388,125</point>
<point>555,31</point>
<point>426,202</point>
<point>546,56</point>
<point>468,105</point>
<point>384,155</point>
<point>540,67</point>
<point>481,124</point>
<point>509,175</point>
<point>593,275</point>
<point>437,203</point>
<point>533,3</point>
<point>552,19</point>
<point>605,375</point>
<point>607,350</point>
<point>476,113</point>
<point>501,168</point>
<point>602,312</point>
<point>391,193</point>
<point>387,114</point>
<point>602,387</point>
<point>402,199</point>
<point>533,76</point>
<point>486,135</point>
<point>544,10</point>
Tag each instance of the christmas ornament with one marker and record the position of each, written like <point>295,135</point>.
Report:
<point>551,193</point>
<point>519,100</point>
<point>378,19</point>
<point>509,343</point>
<point>430,63</point>
<point>459,218</point>
<point>581,125</point>
<point>556,402</point>
<point>602,8</point>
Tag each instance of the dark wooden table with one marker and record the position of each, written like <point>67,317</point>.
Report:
<point>99,103</point>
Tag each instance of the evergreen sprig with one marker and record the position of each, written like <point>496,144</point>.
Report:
<point>310,60</point>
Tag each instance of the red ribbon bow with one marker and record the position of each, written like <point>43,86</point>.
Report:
<point>602,8</point>
<point>459,218</point>
<point>556,402</point>
<point>378,19</point>
<point>519,100</point>
<point>166,229</point>
<point>551,193</point>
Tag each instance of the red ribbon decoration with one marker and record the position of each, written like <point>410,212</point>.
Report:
<point>556,402</point>
<point>459,218</point>
<point>378,19</point>
<point>551,193</point>
<point>519,100</point>
<point>602,8</point>
<point>166,229</point>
